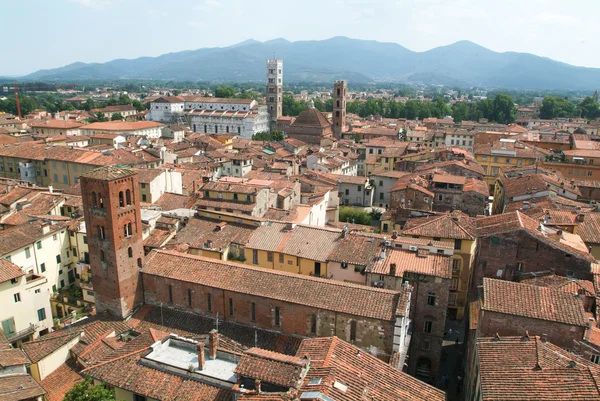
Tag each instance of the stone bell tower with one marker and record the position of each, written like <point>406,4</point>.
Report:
<point>340,88</point>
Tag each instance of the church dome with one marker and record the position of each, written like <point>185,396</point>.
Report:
<point>311,117</point>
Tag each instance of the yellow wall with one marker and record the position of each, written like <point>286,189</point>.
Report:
<point>492,164</point>
<point>291,264</point>
<point>230,196</point>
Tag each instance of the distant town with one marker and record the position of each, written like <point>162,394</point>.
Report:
<point>317,241</point>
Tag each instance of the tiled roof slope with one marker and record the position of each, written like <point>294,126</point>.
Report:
<point>310,291</point>
<point>455,225</point>
<point>507,222</point>
<point>302,241</point>
<point>532,301</point>
<point>9,271</point>
<point>19,387</point>
<point>366,377</point>
<point>271,367</point>
<point>527,368</point>
<point>61,380</point>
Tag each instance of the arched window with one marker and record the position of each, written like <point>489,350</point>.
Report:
<point>338,103</point>
<point>94,200</point>
<point>101,232</point>
<point>121,199</point>
<point>353,330</point>
<point>128,196</point>
<point>130,252</point>
<point>102,257</point>
<point>100,201</point>
<point>337,113</point>
<point>338,91</point>
<point>127,229</point>
<point>139,262</point>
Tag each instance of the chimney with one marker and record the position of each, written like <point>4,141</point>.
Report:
<point>257,385</point>
<point>588,332</point>
<point>213,343</point>
<point>200,350</point>
<point>382,254</point>
<point>580,217</point>
<point>392,269</point>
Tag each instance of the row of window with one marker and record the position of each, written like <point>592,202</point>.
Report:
<point>276,312</point>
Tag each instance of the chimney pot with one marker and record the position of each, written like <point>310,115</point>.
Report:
<point>213,343</point>
<point>257,385</point>
<point>201,357</point>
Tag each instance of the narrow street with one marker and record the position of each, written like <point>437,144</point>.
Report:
<point>451,366</point>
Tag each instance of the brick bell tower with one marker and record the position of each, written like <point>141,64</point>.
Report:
<point>339,108</point>
<point>114,232</point>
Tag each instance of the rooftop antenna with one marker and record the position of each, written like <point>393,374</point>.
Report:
<point>217,322</point>
<point>162,323</point>
<point>255,338</point>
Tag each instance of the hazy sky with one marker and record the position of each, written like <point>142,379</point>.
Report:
<point>51,33</point>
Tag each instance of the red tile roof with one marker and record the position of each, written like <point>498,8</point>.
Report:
<point>358,374</point>
<point>9,271</point>
<point>421,262</point>
<point>527,368</point>
<point>320,293</point>
<point>454,225</point>
<point>61,380</point>
<point>533,302</point>
<point>272,367</point>
<point>19,387</point>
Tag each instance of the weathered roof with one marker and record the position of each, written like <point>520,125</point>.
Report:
<point>9,271</point>
<point>271,367</point>
<point>288,287</point>
<point>359,375</point>
<point>19,387</point>
<point>454,225</point>
<point>109,173</point>
<point>528,368</point>
<point>533,302</point>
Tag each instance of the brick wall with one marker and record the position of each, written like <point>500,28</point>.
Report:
<point>557,333</point>
<point>498,257</point>
<point>410,199</point>
<point>371,334</point>
<point>115,275</point>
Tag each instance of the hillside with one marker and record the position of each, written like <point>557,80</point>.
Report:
<point>462,63</point>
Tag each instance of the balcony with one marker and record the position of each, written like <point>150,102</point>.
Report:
<point>12,337</point>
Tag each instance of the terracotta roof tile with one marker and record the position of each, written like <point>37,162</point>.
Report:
<point>19,387</point>
<point>61,380</point>
<point>288,287</point>
<point>527,368</point>
<point>361,375</point>
<point>454,225</point>
<point>532,301</point>
<point>9,271</point>
<point>271,367</point>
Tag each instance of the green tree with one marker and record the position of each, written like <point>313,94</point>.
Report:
<point>504,110</point>
<point>124,99</point>
<point>86,391</point>
<point>89,104</point>
<point>553,107</point>
<point>224,91</point>
<point>355,216</point>
<point>292,107</point>
<point>117,116</point>
<point>98,118</point>
<point>139,106</point>
<point>277,136</point>
<point>589,108</point>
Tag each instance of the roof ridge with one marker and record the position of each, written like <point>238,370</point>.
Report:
<point>101,337</point>
<point>269,271</point>
<point>117,358</point>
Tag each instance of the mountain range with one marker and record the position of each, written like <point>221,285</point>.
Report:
<point>462,63</point>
